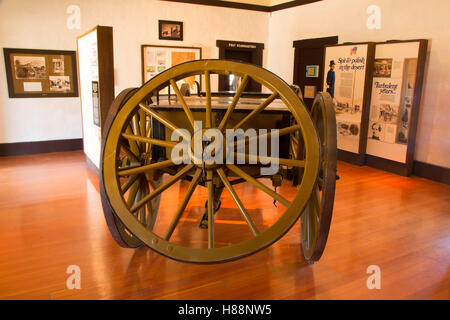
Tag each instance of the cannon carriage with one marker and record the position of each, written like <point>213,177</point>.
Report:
<point>149,145</point>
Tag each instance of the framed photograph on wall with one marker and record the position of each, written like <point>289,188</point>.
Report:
<point>34,73</point>
<point>156,59</point>
<point>170,30</point>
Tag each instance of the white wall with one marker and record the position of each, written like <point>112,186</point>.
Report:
<point>400,19</point>
<point>42,25</point>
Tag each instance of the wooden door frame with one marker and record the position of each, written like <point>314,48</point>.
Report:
<point>310,44</point>
<point>255,48</point>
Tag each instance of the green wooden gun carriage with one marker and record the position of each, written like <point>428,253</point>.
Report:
<point>138,166</point>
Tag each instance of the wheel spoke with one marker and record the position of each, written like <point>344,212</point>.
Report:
<point>182,207</point>
<point>133,145</point>
<point>311,227</point>
<point>133,193</point>
<point>141,169</point>
<point>141,212</point>
<point>316,205</point>
<point>144,192</point>
<point>307,227</point>
<point>152,206</point>
<point>257,110</point>
<point>268,134</point>
<point>236,97</point>
<point>238,202</point>
<point>208,99</point>
<point>211,208</point>
<point>259,185</point>
<point>143,128</point>
<point>294,139</point>
<point>157,142</point>
<point>183,102</point>
<point>136,125</point>
<point>129,183</point>
<point>282,161</point>
<point>162,187</point>
<point>129,153</point>
<point>294,150</point>
<point>320,182</point>
<point>142,123</point>
<point>136,129</point>
<point>158,117</point>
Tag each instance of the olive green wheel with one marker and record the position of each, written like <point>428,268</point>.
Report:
<point>121,139</point>
<point>316,219</point>
<point>133,192</point>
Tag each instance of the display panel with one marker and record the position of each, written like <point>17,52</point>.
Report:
<point>40,73</point>
<point>346,81</point>
<point>96,78</point>
<point>156,59</point>
<point>394,81</point>
<point>88,66</point>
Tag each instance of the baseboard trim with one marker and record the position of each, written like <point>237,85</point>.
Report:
<point>22,148</point>
<point>350,157</point>
<point>431,172</point>
<point>92,167</point>
<point>420,169</point>
<point>387,165</point>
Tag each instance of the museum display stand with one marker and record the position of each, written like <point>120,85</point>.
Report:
<point>351,90</point>
<point>399,68</point>
<point>96,83</point>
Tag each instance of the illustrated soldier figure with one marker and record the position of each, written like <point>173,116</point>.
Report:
<point>331,79</point>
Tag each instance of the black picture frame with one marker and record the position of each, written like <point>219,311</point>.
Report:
<point>170,30</point>
<point>46,80</point>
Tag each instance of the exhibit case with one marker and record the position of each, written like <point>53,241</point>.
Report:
<point>348,80</point>
<point>399,68</point>
<point>96,82</point>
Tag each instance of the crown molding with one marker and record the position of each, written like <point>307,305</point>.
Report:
<point>247,6</point>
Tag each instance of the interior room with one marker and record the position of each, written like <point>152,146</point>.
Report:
<point>224,150</point>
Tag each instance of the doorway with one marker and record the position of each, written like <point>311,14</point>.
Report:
<point>309,65</point>
<point>251,52</point>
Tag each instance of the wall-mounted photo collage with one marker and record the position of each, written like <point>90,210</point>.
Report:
<point>33,73</point>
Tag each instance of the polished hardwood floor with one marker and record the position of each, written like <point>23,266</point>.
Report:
<point>51,218</point>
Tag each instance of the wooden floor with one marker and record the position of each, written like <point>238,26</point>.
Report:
<point>51,217</point>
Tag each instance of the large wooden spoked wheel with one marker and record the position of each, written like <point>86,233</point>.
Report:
<point>121,137</point>
<point>316,219</point>
<point>133,191</point>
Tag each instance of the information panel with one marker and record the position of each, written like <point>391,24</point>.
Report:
<point>345,80</point>
<point>394,79</point>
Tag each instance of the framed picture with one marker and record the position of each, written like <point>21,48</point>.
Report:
<point>312,71</point>
<point>33,73</point>
<point>156,59</point>
<point>310,92</point>
<point>170,30</point>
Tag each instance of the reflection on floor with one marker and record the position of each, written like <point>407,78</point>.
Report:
<point>51,218</point>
